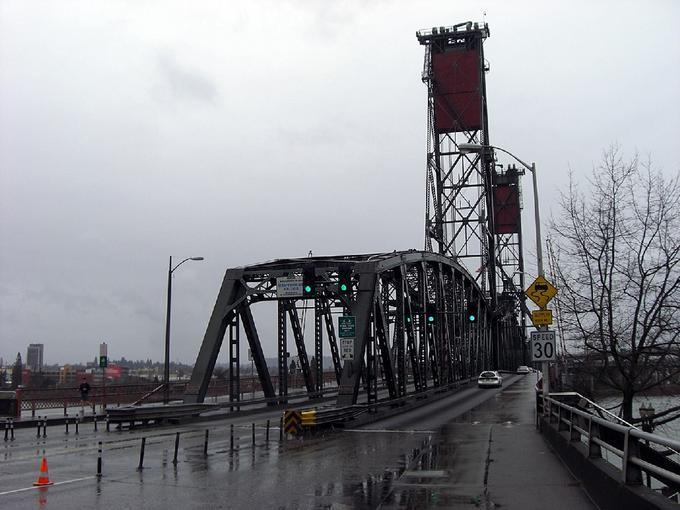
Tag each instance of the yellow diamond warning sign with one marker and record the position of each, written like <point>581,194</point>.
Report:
<point>541,292</point>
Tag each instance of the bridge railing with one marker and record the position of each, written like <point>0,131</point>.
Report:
<point>638,451</point>
<point>35,400</point>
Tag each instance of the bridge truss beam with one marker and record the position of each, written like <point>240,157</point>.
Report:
<point>472,205</point>
<point>412,332</point>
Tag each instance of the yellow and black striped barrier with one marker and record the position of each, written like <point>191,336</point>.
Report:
<point>297,421</point>
<point>309,418</point>
<point>292,422</point>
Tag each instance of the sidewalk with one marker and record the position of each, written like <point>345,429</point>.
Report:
<point>493,457</point>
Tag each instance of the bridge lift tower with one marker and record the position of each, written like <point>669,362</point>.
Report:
<point>473,207</point>
<point>421,319</point>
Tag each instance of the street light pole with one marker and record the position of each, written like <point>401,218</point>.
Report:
<point>473,147</point>
<point>537,219</point>
<point>166,365</point>
<point>545,365</point>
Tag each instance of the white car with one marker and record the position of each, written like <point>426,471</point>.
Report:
<point>490,379</point>
<point>523,369</point>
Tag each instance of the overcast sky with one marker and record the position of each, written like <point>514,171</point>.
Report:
<point>249,131</point>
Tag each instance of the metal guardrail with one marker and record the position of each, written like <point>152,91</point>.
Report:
<point>320,417</point>
<point>638,450</point>
<point>155,413</point>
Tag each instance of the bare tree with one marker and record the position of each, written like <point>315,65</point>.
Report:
<point>618,271</point>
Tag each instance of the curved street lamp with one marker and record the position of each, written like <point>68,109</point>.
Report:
<point>166,366</point>
<point>476,148</point>
<point>479,149</point>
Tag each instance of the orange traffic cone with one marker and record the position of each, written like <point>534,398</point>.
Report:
<point>44,478</point>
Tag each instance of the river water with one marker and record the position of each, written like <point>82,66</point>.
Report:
<point>659,403</point>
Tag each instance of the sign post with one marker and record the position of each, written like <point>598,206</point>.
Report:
<point>103,363</point>
<point>541,292</point>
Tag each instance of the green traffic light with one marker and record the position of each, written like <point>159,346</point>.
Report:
<point>430,318</point>
<point>343,287</point>
<point>308,289</point>
<point>472,318</point>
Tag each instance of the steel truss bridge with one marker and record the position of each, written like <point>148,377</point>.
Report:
<point>412,309</point>
<point>413,331</point>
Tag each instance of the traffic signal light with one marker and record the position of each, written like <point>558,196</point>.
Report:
<point>430,314</point>
<point>344,279</point>
<point>472,312</point>
<point>308,281</point>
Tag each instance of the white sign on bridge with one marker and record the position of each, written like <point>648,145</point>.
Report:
<point>289,287</point>
<point>347,349</point>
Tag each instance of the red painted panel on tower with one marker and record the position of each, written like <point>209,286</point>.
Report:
<point>506,209</point>
<point>456,71</point>
<point>457,89</point>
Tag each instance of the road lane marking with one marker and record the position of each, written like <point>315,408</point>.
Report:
<point>53,485</point>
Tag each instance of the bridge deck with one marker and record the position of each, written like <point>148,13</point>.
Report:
<point>492,456</point>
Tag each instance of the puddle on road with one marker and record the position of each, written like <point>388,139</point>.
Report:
<point>425,483</point>
<point>372,490</point>
<point>363,472</point>
<point>419,480</point>
<point>479,416</point>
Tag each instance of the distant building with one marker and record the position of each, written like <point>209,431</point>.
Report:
<point>34,357</point>
<point>68,375</point>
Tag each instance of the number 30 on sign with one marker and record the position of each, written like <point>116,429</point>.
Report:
<point>542,346</point>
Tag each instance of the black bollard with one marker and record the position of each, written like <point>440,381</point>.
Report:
<point>231,440</point>
<point>11,429</point>
<point>141,455</point>
<point>107,423</point>
<point>77,423</point>
<point>205,444</point>
<point>253,428</point>
<point>174,459</point>
<point>6,430</point>
<point>99,460</point>
<point>67,424</point>
<point>45,427</point>
<point>39,424</point>
<point>95,422</point>
<point>267,436</point>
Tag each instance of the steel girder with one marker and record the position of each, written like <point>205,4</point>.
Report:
<point>411,329</point>
<point>460,219</point>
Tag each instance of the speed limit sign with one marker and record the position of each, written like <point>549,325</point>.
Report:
<point>542,346</point>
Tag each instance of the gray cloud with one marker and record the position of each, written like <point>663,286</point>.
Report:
<point>181,83</point>
<point>228,130</point>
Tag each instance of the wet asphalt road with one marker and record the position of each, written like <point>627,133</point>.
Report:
<point>411,460</point>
